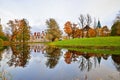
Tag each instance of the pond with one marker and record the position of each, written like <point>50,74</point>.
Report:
<point>42,62</point>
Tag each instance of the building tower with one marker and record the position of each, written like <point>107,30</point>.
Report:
<point>99,24</point>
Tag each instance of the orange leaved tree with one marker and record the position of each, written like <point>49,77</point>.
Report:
<point>68,28</point>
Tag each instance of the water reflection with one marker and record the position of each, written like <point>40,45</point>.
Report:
<point>37,48</point>
<point>116,59</point>
<point>86,60</point>
<point>53,56</point>
<point>20,55</point>
<point>60,62</point>
<point>2,50</point>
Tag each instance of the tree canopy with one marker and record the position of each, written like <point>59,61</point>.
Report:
<point>68,28</point>
<point>53,32</point>
<point>20,30</point>
<point>115,29</point>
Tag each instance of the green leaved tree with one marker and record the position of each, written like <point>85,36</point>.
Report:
<point>53,32</point>
<point>115,30</point>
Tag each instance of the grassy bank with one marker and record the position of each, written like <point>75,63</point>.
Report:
<point>98,51</point>
<point>96,41</point>
<point>101,45</point>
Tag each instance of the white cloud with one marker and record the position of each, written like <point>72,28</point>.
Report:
<point>38,11</point>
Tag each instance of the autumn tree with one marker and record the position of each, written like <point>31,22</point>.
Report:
<point>68,28</point>
<point>13,29</point>
<point>24,31</point>
<point>53,32</point>
<point>2,34</point>
<point>91,32</point>
<point>20,30</point>
<point>77,33</point>
<point>1,31</point>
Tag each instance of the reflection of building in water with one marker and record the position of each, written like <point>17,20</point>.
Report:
<point>38,37</point>
<point>37,48</point>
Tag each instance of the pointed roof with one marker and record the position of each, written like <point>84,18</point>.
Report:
<point>99,59</point>
<point>86,27</point>
<point>99,24</point>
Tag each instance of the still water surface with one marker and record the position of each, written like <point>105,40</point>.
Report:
<point>41,62</point>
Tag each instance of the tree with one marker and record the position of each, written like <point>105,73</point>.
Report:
<point>2,34</point>
<point>53,32</point>
<point>13,28</point>
<point>68,28</point>
<point>118,17</point>
<point>88,20</point>
<point>77,33</point>
<point>74,29</point>
<point>91,32</point>
<point>81,19</point>
<point>20,30</point>
<point>24,30</point>
<point>82,22</point>
<point>115,31</point>
<point>1,31</point>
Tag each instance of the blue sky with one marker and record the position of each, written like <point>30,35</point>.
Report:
<point>38,11</point>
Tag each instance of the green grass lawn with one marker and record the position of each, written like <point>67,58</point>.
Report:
<point>96,41</point>
<point>107,45</point>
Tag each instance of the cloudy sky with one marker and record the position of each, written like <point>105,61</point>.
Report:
<point>38,11</point>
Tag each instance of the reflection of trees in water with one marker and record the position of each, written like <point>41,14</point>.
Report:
<point>85,64</point>
<point>20,55</point>
<point>86,60</point>
<point>2,49</point>
<point>116,59</point>
<point>4,74</point>
<point>53,56</point>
